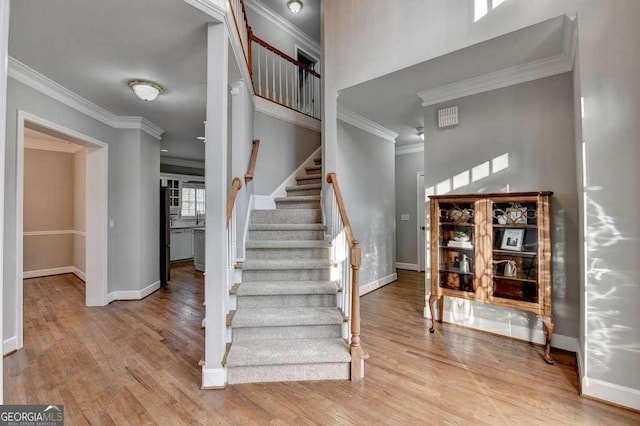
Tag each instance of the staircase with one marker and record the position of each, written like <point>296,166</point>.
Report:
<point>287,326</point>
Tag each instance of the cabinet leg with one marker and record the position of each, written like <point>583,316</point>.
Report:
<point>432,299</point>
<point>440,308</point>
<point>548,329</point>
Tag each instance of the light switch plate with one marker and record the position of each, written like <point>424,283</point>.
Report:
<point>404,217</point>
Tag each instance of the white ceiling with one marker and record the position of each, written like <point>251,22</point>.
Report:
<point>307,20</point>
<point>392,100</point>
<point>94,48</point>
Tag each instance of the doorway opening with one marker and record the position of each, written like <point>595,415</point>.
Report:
<point>307,84</point>
<point>422,224</point>
<point>83,245</point>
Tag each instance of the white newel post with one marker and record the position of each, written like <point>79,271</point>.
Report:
<point>4,38</point>
<point>239,153</point>
<point>213,372</point>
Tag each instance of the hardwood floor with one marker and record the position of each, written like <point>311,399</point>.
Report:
<point>136,362</point>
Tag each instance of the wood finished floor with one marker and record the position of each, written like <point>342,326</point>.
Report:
<point>136,362</point>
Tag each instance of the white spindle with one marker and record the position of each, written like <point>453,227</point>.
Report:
<point>273,75</point>
<point>280,78</point>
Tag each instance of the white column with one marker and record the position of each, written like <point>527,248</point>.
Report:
<point>213,373</point>
<point>4,38</point>
<point>239,158</point>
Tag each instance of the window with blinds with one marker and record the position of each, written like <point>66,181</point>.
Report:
<point>193,201</point>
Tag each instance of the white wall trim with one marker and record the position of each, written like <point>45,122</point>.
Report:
<point>374,285</point>
<point>410,149</point>
<point>55,271</point>
<point>610,392</point>
<point>280,112</point>
<point>4,53</point>
<point>43,84</point>
<point>365,124</point>
<point>281,190</point>
<point>307,43</point>
<point>214,378</point>
<point>518,74</point>
<point>209,7</point>
<point>173,161</point>
<point>407,266</point>
<point>56,232</point>
<point>133,294</point>
<point>9,345</point>
<point>518,332</point>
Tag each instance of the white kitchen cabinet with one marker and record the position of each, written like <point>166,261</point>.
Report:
<point>181,244</point>
<point>198,249</point>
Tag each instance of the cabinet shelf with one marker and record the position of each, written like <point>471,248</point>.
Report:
<point>515,253</point>
<point>531,289</point>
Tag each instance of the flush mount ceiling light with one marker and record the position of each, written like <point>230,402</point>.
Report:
<point>294,5</point>
<point>146,90</point>
<point>420,131</point>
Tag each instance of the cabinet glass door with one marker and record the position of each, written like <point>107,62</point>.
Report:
<point>456,246</point>
<point>515,251</point>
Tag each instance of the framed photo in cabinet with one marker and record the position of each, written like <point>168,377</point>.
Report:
<point>512,239</point>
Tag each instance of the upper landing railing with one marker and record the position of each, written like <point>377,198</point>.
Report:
<point>277,76</point>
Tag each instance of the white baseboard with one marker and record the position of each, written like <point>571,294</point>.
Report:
<point>214,378</point>
<point>407,266</point>
<point>508,330</point>
<point>9,345</point>
<point>54,271</point>
<point>611,392</point>
<point>133,294</point>
<point>368,288</point>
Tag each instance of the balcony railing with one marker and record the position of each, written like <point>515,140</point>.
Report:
<point>277,76</point>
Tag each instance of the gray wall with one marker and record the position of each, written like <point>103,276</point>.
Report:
<point>609,64</point>
<point>533,124</point>
<point>125,165</point>
<point>283,147</point>
<point>407,168</point>
<point>149,207</point>
<point>366,178</point>
<point>181,170</point>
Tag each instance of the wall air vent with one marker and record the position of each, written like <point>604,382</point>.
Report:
<point>448,117</point>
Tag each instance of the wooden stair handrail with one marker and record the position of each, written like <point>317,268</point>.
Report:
<point>358,354</point>
<point>252,162</point>
<point>333,180</point>
<point>236,184</point>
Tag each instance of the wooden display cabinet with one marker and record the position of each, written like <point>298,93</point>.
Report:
<point>506,259</point>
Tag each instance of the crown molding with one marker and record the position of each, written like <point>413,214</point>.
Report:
<point>43,84</point>
<point>409,149</point>
<point>305,41</point>
<point>214,9</point>
<point>497,80</point>
<point>365,124</point>
<point>173,161</point>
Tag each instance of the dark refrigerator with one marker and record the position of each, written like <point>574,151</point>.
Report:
<point>165,235</point>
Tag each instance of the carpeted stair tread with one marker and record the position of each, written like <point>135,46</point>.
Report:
<point>287,351</point>
<point>280,244</point>
<point>305,186</point>
<point>286,227</point>
<point>309,176</point>
<point>281,317</point>
<point>273,288</point>
<point>279,264</point>
<point>298,199</point>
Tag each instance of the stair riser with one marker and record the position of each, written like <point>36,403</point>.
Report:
<point>282,253</point>
<point>286,235</point>
<point>294,332</point>
<point>288,373</point>
<point>287,301</point>
<point>313,170</point>
<point>301,192</point>
<point>284,205</point>
<point>317,161</point>
<point>286,275</point>
<point>306,181</point>
<point>286,216</point>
